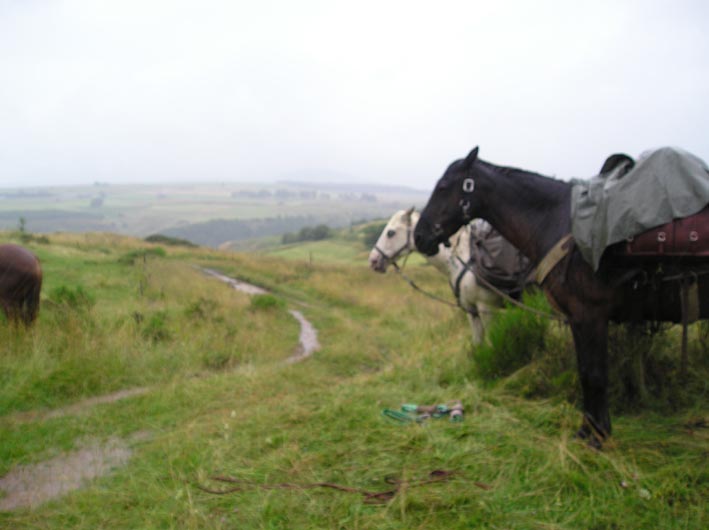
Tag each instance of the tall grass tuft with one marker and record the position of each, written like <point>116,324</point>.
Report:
<point>266,302</point>
<point>513,338</point>
<point>77,298</point>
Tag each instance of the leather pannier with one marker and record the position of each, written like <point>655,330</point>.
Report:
<point>688,236</point>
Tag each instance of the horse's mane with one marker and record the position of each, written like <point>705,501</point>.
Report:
<point>530,179</point>
<point>515,171</point>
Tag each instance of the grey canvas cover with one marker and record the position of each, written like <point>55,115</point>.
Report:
<point>664,184</point>
<point>495,259</point>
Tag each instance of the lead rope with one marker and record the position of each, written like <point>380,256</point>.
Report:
<point>400,271</point>
<point>370,497</point>
<point>413,284</point>
<point>508,298</point>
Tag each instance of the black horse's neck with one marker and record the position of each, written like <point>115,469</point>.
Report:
<point>531,211</point>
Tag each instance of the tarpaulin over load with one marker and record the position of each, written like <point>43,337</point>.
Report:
<point>626,200</point>
<point>495,260</point>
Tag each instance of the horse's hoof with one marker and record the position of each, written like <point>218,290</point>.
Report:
<point>593,433</point>
<point>592,439</point>
<point>594,442</point>
<point>583,433</point>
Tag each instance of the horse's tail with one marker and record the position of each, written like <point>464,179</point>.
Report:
<point>30,303</point>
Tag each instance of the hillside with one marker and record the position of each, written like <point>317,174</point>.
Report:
<point>207,392</point>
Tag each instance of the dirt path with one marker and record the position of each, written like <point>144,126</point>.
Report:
<point>76,408</point>
<point>308,339</point>
<point>236,284</point>
<point>31,485</point>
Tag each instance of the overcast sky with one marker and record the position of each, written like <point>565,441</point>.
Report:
<point>384,91</point>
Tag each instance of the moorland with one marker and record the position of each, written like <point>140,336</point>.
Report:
<point>201,389</point>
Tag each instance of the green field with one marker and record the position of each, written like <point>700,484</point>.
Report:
<point>183,209</point>
<point>217,399</point>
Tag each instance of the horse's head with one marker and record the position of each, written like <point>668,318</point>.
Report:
<point>449,207</point>
<point>395,240</point>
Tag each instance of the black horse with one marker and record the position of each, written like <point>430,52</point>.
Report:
<point>533,213</point>
<point>20,284</point>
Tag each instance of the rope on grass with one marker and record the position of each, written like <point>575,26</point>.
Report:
<point>370,497</point>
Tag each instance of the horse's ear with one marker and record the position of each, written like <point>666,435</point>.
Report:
<point>407,214</point>
<point>472,156</point>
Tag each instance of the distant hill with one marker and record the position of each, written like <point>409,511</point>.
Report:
<point>203,213</point>
<point>353,187</point>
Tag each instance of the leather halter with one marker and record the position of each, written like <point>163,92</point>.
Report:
<point>465,203</point>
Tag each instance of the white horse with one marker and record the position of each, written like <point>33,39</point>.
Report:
<point>396,240</point>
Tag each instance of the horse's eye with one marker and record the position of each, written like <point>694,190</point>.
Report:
<point>391,233</point>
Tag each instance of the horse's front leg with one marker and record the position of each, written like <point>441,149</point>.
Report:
<point>476,326</point>
<point>591,341</point>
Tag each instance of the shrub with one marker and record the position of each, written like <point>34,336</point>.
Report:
<point>156,329</point>
<point>76,298</point>
<point>202,309</point>
<point>644,368</point>
<point>308,233</point>
<point>217,360</point>
<point>169,240</point>
<point>130,257</point>
<point>513,338</point>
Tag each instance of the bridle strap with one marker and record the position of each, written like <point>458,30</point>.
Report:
<point>459,279</point>
<point>482,281</point>
<point>468,187</point>
<point>407,246</point>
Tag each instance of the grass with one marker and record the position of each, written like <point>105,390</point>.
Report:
<point>221,402</point>
<point>327,251</point>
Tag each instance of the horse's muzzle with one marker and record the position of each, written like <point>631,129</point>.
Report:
<point>377,262</point>
<point>426,245</point>
<point>427,238</point>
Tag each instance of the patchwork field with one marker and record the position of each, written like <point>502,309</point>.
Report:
<point>209,214</point>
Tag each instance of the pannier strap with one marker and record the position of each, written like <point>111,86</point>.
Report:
<point>553,257</point>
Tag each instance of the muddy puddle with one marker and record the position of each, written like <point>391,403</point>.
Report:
<point>308,339</point>
<point>33,484</point>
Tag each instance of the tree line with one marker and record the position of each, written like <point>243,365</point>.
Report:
<point>308,233</point>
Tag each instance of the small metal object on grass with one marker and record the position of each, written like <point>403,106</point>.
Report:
<point>412,412</point>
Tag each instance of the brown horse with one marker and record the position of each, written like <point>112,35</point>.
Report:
<point>533,213</point>
<point>20,283</point>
